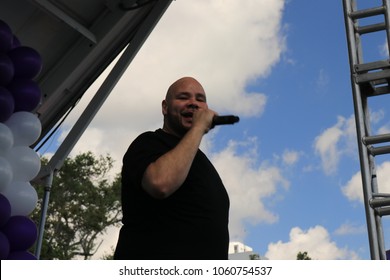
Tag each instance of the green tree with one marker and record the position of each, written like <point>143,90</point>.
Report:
<point>303,256</point>
<point>83,204</point>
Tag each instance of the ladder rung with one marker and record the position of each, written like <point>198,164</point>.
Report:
<point>376,139</point>
<point>380,202</point>
<point>375,88</point>
<point>380,87</point>
<point>381,90</point>
<point>372,76</point>
<point>383,211</point>
<point>380,195</point>
<point>380,64</point>
<point>375,151</point>
<point>382,82</point>
<point>367,12</point>
<point>371,28</point>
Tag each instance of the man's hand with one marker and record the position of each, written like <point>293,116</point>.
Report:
<point>203,118</point>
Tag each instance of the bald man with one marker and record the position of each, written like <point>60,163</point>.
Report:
<point>174,203</point>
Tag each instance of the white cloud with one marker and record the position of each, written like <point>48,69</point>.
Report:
<point>326,146</point>
<point>290,157</point>
<point>315,241</point>
<point>349,228</point>
<point>353,190</point>
<point>248,186</point>
<point>384,49</point>
<point>377,116</point>
<point>339,140</point>
<point>323,79</point>
<point>335,141</point>
<point>384,129</point>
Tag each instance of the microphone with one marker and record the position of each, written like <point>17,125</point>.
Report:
<point>228,119</point>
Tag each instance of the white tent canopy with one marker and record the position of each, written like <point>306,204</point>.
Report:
<point>77,40</point>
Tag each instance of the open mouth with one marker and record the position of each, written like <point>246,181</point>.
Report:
<point>187,116</point>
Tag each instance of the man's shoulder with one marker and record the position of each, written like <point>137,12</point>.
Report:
<point>153,140</point>
<point>148,134</point>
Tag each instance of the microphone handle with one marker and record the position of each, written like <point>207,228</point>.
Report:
<point>228,119</point>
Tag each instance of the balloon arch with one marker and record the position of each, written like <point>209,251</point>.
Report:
<point>19,129</point>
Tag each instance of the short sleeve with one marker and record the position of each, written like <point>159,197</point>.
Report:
<point>145,149</point>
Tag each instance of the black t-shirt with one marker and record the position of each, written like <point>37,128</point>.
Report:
<point>192,223</point>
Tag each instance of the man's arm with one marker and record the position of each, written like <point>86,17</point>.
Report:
<point>164,176</point>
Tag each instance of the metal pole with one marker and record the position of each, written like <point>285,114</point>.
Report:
<point>45,204</point>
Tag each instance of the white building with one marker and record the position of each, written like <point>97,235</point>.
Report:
<point>240,251</point>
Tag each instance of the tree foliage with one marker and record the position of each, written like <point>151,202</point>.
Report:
<point>303,256</point>
<point>83,204</point>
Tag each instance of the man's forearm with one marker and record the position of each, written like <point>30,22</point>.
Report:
<point>164,176</point>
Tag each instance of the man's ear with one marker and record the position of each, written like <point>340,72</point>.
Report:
<point>164,107</point>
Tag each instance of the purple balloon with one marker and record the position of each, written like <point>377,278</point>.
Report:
<point>21,232</point>
<point>6,37</point>
<point>7,104</point>
<point>21,255</point>
<point>7,69</point>
<point>5,210</point>
<point>16,43</point>
<point>26,93</point>
<point>4,246</point>
<point>27,62</point>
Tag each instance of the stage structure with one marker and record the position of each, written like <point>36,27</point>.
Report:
<point>77,40</point>
<point>370,80</point>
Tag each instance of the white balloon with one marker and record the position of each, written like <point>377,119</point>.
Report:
<point>6,174</point>
<point>26,128</point>
<point>22,197</point>
<point>25,163</point>
<point>6,138</point>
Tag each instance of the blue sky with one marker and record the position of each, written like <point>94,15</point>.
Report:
<point>291,164</point>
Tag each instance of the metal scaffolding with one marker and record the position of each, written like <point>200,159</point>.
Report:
<point>369,79</point>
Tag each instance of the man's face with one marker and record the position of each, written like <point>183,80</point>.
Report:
<point>182,100</point>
